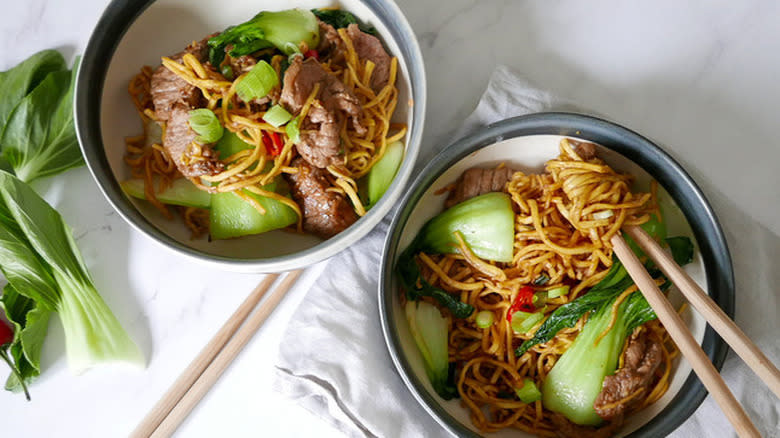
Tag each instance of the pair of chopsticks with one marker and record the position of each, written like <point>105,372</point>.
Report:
<point>679,333</point>
<point>166,416</point>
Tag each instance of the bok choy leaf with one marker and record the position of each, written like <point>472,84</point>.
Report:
<point>41,261</point>
<point>39,138</point>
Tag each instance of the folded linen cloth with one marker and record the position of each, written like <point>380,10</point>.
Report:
<point>333,358</point>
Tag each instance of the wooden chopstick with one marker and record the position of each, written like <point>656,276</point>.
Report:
<point>688,346</point>
<point>725,326</point>
<point>196,381</point>
<point>202,361</point>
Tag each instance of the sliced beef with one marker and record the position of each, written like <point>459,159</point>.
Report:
<point>331,47</point>
<point>586,150</point>
<point>173,98</point>
<point>477,181</point>
<point>324,213</point>
<point>320,143</point>
<point>169,91</point>
<point>368,47</point>
<point>177,139</point>
<point>642,357</point>
<point>242,64</point>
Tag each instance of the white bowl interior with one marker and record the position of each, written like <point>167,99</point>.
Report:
<point>165,28</point>
<point>528,154</point>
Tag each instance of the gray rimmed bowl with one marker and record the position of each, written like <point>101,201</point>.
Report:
<point>134,33</point>
<point>526,143</point>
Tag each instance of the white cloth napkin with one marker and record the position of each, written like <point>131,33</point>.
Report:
<point>333,358</point>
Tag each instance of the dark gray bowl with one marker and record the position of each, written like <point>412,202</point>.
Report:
<point>527,140</point>
<point>133,33</point>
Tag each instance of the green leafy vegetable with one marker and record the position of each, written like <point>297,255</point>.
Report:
<point>39,138</point>
<point>528,393</point>
<point>484,318</point>
<point>430,332</point>
<point>41,261</point>
<point>181,192</point>
<point>277,116</point>
<point>231,216</point>
<point>285,30</point>
<point>382,173</point>
<point>30,321</point>
<point>293,131</point>
<point>682,249</point>
<point>258,82</point>
<point>575,381</point>
<point>206,124</point>
<point>486,223</point>
<point>339,18</point>
<point>19,81</point>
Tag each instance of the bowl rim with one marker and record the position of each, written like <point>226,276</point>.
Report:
<point>117,18</point>
<point>654,160</point>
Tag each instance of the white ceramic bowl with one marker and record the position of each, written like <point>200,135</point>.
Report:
<point>526,143</point>
<point>136,33</point>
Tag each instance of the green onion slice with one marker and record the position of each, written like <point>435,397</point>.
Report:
<point>522,322</point>
<point>293,131</point>
<point>258,82</point>
<point>206,124</point>
<point>277,116</point>
<point>529,392</point>
<point>558,292</point>
<point>484,319</point>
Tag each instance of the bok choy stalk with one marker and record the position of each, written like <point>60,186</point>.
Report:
<point>41,261</point>
<point>573,384</point>
<point>575,381</point>
<point>486,223</point>
<point>429,330</point>
<point>285,30</point>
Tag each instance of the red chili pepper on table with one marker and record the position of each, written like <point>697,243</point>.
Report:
<point>6,338</point>
<point>312,54</point>
<point>524,301</point>
<point>273,143</point>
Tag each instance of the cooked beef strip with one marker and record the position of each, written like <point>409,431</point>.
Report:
<point>477,181</point>
<point>642,357</point>
<point>324,213</point>
<point>173,98</point>
<point>331,45</point>
<point>177,139</point>
<point>368,47</point>
<point>586,150</point>
<point>320,143</point>
<point>242,64</point>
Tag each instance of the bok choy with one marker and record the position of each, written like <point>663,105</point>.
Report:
<point>42,263</point>
<point>574,383</point>
<point>429,330</point>
<point>486,223</point>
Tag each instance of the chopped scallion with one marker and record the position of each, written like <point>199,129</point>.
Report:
<point>206,124</point>
<point>293,131</point>
<point>522,322</point>
<point>258,82</point>
<point>529,392</point>
<point>277,116</point>
<point>484,319</point>
<point>558,292</point>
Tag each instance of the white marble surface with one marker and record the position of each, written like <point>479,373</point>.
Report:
<point>699,76</point>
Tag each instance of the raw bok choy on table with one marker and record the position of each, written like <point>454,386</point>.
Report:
<point>39,258</point>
